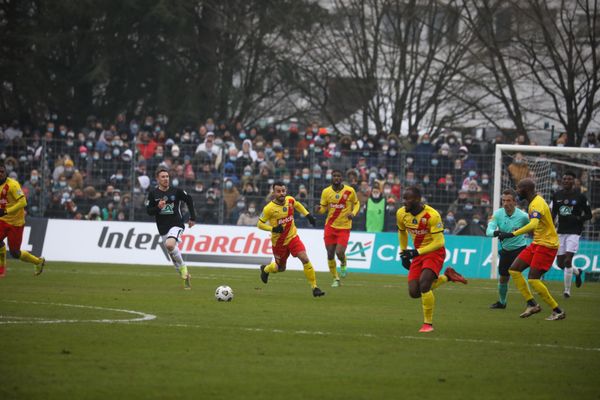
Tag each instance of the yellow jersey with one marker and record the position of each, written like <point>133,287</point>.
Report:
<point>10,194</point>
<point>275,214</point>
<point>339,205</point>
<point>545,232</point>
<point>422,226</point>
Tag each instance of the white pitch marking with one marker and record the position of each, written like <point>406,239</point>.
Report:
<point>23,320</point>
<point>406,337</point>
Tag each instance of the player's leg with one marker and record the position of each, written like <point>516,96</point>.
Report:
<point>298,250</point>
<point>15,238</point>
<point>571,248</point>
<point>520,264</point>
<point>567,273</point>
<point>2,259</point>
<point>541,262</point>
<point>506,260</point>
<point>170,240</point>
<point>342,244</point>
<point>428,276</point>
<point>330,247</point>
<point>560,262</point>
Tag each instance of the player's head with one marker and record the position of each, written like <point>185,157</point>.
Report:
<point>336,177</point>
<point>2,173</point>
<point>412,198</point>
<point>568,180</point>
<point>509,200</point>
<point>162,177</point>
<point>279,191</point>
<point>526,188</point>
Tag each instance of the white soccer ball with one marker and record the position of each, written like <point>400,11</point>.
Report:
<point>224,293</point>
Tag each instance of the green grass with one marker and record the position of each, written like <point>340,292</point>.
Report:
<point>360,341</point>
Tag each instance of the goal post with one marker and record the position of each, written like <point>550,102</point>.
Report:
<point>544,161</point>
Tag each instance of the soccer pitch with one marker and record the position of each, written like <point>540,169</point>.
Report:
<point>98,331</point>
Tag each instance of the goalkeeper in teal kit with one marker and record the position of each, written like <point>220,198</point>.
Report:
<point>507,219</point>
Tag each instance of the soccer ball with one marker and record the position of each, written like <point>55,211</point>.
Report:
<point>224,293</point>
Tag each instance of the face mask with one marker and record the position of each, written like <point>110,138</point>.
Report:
<point>89,144</point>
<point>107,157</point>
<point>409,160</point>
<point>118,177</point>
<point>116,152</point>
<point>485,181</point>
<point>70,143</point>
<point>241,205</point>
<point>305,176</point>
<point>51,130</point>
<point>475,221</point>
<point>175,182</point>
<point>435,162</point>
<point>468,206</point>
<point>33,179</point>
<point>444,152</point>
<point>425,141</point>
<point>426,181</point>
<point>553,174</point>
<point>555,187</point>
<point>242,135</point>
<point>366,153</point>
<point>353,147</point>
<point>198,188</point>
<point>372,175</point>
<point>251,210</point>
<point>309,137</point>
<point>286,181</point>
<point>376,195</point>
<point>472,174</point>
<point>450,218</point>
<point>228,184</point>
<point>382,171</point>
<point>328,177</point>
<point>387,190</point>
<point>117,199</point>
<point>451,141</point>
<point>317,176</point>
<point>385,148</point>
<point>234,158</point>
<point>393,153</point>
<point>62,183</point>
<point>247,173</point>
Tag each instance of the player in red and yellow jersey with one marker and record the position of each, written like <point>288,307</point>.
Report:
<point>278,217</point>
<point>12,223</point>
<point>342,205</point>
<point>539,255</point>
<point>425,261</point>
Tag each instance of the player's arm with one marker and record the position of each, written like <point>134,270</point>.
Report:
<point>151,207</point>
<point>585,207</point>
<point>492,226</point>
<point>554,207</point>
<point>356,207</point>
<point>190,205</point>
<point>322,207</point>
<point>21,200</point>
<point>264,225</point>
<point>302,210</point>
<point>402,239</point>
<point>534,221</point>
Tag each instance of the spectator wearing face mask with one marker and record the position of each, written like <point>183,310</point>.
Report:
<point>375,211</point>
<point>94,214</point>
<point>449,222</point>
<point>467,162</point>
<point>32,188</point>
<point>231,195</point>
<point>249,217</point>
<point>422,153</point>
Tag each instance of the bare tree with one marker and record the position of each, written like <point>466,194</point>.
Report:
<point>396,60</point>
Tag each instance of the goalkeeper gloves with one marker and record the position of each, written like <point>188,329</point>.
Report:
<point>277,229</point>
<point>504,235</point>
<point>311,219</point>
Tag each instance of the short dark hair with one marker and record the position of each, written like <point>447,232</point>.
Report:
<point>416,191</point>
<point>338,171</point>
<point>510,192</point>
<point>162,169</point>
<point>277,183</point>
<point>570,173</point>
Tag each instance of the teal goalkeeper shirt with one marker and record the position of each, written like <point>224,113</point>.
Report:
<point>509,223</point>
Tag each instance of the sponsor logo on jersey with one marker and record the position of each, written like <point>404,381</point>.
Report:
<point>336,206</point>
<point>285,220</point>
<point>418,231</point>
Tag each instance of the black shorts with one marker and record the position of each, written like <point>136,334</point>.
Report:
<point>506,260</point>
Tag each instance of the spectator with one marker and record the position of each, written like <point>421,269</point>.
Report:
<point>94,214</point>
<point>249,217</point>
<point>518,168</point>
<point>591,141</point>
<point>74,177</point>
<point>230,197</point>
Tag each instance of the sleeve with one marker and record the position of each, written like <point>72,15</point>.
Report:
<point>403,239</point>
<point>585,207</point>
<point>151,207</point>
<point>492,226</point>
<point>437,243</point>
<point>263,219</point>
<point>356,202</point>
<point>189,202</point>
<point>400,220</point>
<point>19,196</point>
<point>435,224</point>
<point>300,208</point>
<point>323,202</point>
<point>554,207</point>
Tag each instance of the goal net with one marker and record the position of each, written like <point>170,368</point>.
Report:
<point>546,165</point>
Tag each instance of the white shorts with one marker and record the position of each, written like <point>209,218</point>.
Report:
<point>175,232</point>
<point>569,243</point>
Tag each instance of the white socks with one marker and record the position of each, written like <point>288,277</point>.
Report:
<point>176,258</point>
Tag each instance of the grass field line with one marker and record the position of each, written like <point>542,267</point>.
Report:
<point>400,337</point>
<point>8,319</point>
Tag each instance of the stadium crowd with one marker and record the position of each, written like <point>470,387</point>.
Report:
<point>102,171</point>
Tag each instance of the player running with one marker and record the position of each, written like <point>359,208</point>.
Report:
<point>507,219</point>
<point>278,217</point>
<point>572,209</point>
<point>12,223</point>
<point>426,260</point>
<point>342,205</point>
<point>164,202</point>
<point>539,255</point>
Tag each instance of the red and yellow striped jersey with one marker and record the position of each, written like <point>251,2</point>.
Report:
<point>10,193</point>
<point>422,226</point>
<point>275,214</point>
<point>338,205</point>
